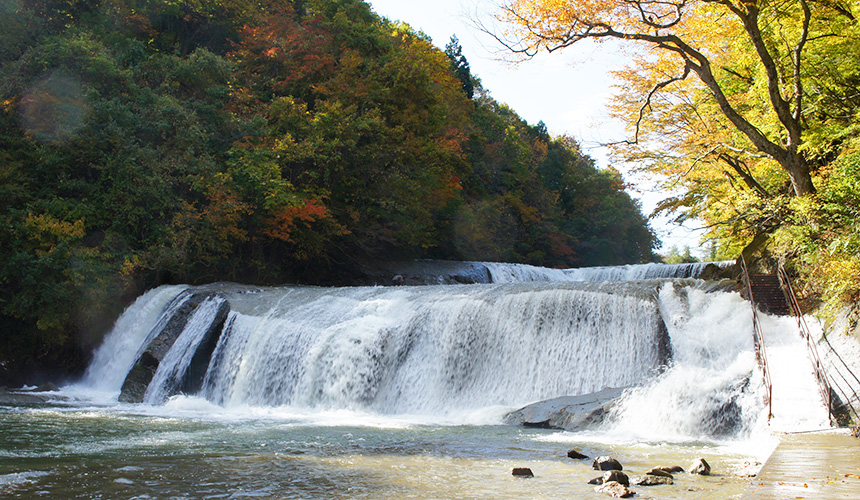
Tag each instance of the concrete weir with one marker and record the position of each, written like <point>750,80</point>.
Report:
<point>815,465</point>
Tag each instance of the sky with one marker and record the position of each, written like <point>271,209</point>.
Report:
<point>567,90</point>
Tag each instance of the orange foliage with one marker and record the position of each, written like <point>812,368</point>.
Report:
<point>283,222</point>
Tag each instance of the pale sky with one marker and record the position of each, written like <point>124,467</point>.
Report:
<point>568,90</point>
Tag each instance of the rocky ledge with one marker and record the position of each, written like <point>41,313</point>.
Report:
<point>567,412</point>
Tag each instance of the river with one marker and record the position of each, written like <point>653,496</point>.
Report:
<point>400,392</point>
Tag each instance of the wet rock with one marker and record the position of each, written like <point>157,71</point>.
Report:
<point>568,412</point>
<point>138,379</point>
<point>650,480</point>
<point>606,463</point>
<point>615,489</point>
<point>47,387</point>
<point>658,472</point>
<point>673,469</point>
<point>617,476</point>
<point>576,455</point>
<point>522,472</point>
<point>21,398</point>
<point>725,417</point>
<point>700,467</point>
<point>597,480</point>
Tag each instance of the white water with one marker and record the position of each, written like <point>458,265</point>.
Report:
<point>121,347</point>
<point>518,273</point>
<point>433,350</point>
<point>475,350</point>
<point>712,342</point>
<point>640,271</point>
<point>175,364</point>
<point>796,403</point>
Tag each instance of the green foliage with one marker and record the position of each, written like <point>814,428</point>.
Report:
<point>822,235</point>
<point>152,141</point>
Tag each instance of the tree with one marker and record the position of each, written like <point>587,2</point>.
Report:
<point>773,35</point>
<point>460,66</point>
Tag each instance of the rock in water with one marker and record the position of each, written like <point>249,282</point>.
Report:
<point>137,381</point>
<point>617,476</point>
<point>615,489</point>
<point>700,467</point>
<point>658,472</point>
<point>674,469</point>
<point>606,463</point>
<point>569,412</point>
<point>522,472</point>
<point>597,480</point>
<point>649,480</point>
<point>576,455</point>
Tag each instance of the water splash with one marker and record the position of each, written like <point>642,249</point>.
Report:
<point>123,344</point>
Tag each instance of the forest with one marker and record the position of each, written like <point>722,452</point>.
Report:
<point>148,142</point>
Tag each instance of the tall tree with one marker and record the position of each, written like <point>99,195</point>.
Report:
<point>773,35</point>
<point>460,66</point>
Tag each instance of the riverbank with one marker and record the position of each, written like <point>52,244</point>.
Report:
<point>824,465</point>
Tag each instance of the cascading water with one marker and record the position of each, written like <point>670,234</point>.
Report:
<point>134,329</point>
<point>435,349</point>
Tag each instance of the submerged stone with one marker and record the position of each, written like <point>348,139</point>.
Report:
<point>522,472</point>
<point>574,454</point>
<point>651,480</point>
<point>700,467</point>
<point>615,489</point>
<point>656,471</point>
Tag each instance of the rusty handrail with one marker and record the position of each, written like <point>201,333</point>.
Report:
<point>758,341</point>
<point>817,367</point>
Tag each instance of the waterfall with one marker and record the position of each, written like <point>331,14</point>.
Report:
<point>134,329</point>
<point>712,388</point>
<point>517,273</point>
<point>641,271</point>
<point>682,346</point>
<point>172,370</point>
<point>435,349</point>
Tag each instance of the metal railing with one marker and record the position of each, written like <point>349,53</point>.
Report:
<point>817,367</point>
<point>758,341</point>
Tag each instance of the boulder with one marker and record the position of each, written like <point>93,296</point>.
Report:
<point>137,381</point>
<point>673,469</point>
<point>606,463</point>
<point>700,467</point>
<point>522,472</point>
<point>577,455</point>
<point>568,412</point>
<point>597,480</point>
<point>650,480</point>
<point>615,489</point>
<point>617,476</point>
<point>658,472</point>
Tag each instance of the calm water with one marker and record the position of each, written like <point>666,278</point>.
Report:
<point>188,449</point>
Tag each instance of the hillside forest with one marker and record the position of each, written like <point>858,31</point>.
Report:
<point>146,142</point>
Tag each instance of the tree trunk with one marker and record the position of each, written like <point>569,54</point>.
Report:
<point>798,170</point>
